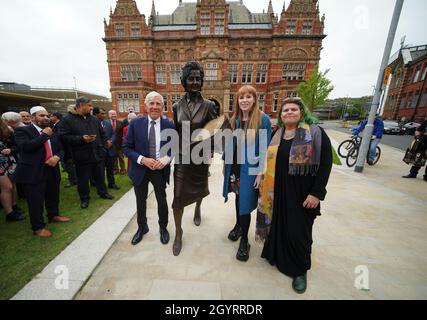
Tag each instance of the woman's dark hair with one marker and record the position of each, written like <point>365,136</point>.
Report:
<point>186,70</point>
<point>307,117</point>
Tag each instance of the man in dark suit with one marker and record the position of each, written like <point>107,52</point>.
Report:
<point>83,133</point>
<point>38,170</point>
<point>143,146</point>
<point>110,127</point>
<point>55,119</point>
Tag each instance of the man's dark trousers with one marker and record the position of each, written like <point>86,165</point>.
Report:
<point>109,166</point>
<point>45,192</point>
<point>158,181</point>
<point>84,172</point>
<point>416,169</point>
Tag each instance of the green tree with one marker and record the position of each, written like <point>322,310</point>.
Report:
<point>316,90</point>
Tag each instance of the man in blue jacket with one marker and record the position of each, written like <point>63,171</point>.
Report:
<point>377,135</point>
<point>143,146</point>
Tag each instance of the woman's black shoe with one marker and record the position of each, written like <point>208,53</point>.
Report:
<point>243,252</point>
<point>17,209</point>
<point>235,234</point>
<point>14,216</point>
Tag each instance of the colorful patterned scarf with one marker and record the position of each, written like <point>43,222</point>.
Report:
<point>304,160</point>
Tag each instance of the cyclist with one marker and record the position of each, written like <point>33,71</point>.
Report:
<point>377,135</point>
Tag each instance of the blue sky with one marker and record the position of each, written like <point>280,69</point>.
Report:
<point>48,42</point>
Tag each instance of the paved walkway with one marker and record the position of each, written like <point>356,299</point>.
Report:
<point>375,219</point>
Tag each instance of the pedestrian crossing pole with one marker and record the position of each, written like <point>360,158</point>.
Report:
<point>364,148</point>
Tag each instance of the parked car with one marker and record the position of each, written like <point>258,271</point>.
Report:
<point>392,127</point>
<point>411,127</point>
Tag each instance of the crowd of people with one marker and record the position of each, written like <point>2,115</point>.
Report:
<point>281,175</point>
<point>34,143</point>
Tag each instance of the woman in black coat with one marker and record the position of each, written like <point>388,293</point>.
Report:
<point>299,162</point>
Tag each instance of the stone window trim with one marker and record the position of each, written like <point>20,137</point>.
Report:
<point>165,101</point>
<point>291,27</point>
<point>275,102</point>
<point>211,71</point>
<point>231,103</point>
<point>247,73</point>
<point>233,70</point>
<point>131,72</point>
<point>161,74</point>
<point>293,71</point>
<point>175,73</point>
<point>120,30</point>
<point>262,70</point>
<point>261,101</point>
<point>126,100</point>
<point>135,29</point>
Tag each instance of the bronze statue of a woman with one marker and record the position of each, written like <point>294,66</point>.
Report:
<point>190,180</point>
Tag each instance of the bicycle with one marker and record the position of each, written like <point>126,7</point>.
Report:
<point>353,154</point>
<point>347,145</point>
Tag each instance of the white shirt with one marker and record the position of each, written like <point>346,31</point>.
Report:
<point>158,138</point>
<point>40,131</point>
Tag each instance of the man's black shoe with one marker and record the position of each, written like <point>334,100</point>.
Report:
<point>70,184</point>
<point>84,204</point>
<point>410,176</point>
<point>164,236</point>
<point>137,238</point>
<point>370,162</point>
<point>107,196</point>
<point>114,186</point>
<point>235,234</point>
<point>15,217</point>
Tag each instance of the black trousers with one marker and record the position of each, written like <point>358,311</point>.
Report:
<point>45,192</point>
<point>158,181</point>
<point>109,166</point>
<point>84,172</point>
<point>71,170</point>
<point>243,221</point>
<point>416,169</point>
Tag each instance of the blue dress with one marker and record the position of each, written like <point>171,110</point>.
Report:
<point>253,154</point>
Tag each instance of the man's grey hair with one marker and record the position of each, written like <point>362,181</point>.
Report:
<point>150,97</point>
<point>11,116</point>
<point>82,100</point>
<point>111,111</point>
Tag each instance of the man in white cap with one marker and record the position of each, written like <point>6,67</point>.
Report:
<point>38,170</point>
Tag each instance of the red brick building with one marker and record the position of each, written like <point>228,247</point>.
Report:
<point>407,95</point>
<point>272,52</point>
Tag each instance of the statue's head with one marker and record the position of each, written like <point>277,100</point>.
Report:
<point>192,77</point>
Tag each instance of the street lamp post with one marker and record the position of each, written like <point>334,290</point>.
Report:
<point>364,148</point>
<point>75,87</point>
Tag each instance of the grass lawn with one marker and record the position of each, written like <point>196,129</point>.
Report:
<point>23,255</point>
<point>336,159</point>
